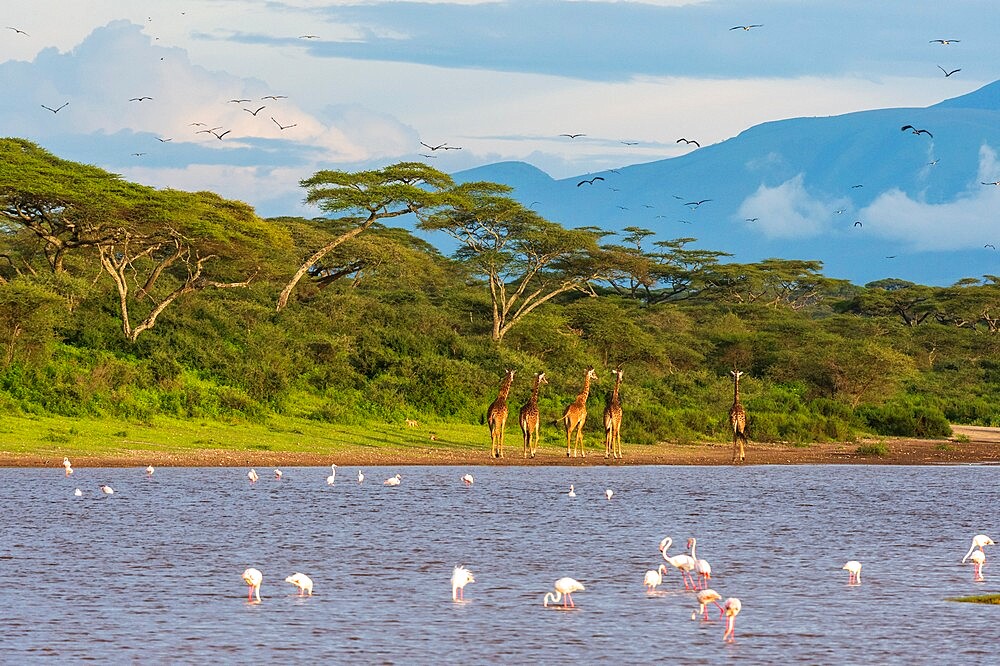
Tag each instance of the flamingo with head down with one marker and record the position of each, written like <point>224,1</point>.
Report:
<point>564,587</point>
<point>978,541</point>
<point>730,609</point>
<point>706,597</point>
<point>253,578</point>
<point>460,577</point>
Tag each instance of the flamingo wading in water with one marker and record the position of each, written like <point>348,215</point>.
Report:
<point>564,587</point>
<point>301,581</point>
<point>731,608</point>
<point>978,541</point>
<point>683,563</point>
<point>701,567</point>
<point>706,597</point>
<point>654,578</point>
<point>853,568</point>
<point>460,577</point>
<point>253,578</point>
<point>978,560</point>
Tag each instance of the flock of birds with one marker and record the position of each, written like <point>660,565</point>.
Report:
<point>696,572</point>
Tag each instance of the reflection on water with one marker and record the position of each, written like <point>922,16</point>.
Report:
<point>153,572</point>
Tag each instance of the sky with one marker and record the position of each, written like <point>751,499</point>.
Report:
<point>363,84</point>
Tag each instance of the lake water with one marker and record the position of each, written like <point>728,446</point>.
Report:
<point>152,573</point>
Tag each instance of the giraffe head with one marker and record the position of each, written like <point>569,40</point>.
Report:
<point>591,374</point>
<point>618,373</point>
<point>736,373</point>
<point>540,378</point>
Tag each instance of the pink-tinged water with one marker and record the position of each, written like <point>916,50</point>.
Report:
<point>151,574</point>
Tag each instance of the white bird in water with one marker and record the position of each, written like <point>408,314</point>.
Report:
<point>571,493</point>
<point>68,466</point>
<point>609,493</point>
<point>978,560</point>
<point>564,588</point>
<point>253,578</point>
<point>978,541</point>
<point>853,568</point>
<point>392,480</point>
<point>150,470</point>
<point>78,492</point>
<point>278,474</point>
<point>731,608</point>
<point>252,475</point>
<point>654,578</point>
<point>107,490</point>
<point>683,563</point>
<point>460,577</point>
<point>361,477</point>
<point>467,479</point>
<point>706,597</point>
<point>333,474</point>
<point>701,567</point>
<point>301,581</point>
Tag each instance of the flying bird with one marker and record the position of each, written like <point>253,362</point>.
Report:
<point>208,131</point>
<point>196,124</point>
<point>431,157</point>
<point>274,97</point>
<point>747,27</point>
<point>573,136</point>
<point>219,136</point>
<point>140,99</point>
<point>18,31</point>
<point>308,36</point>
<point>683,140</point>
<point>991,246</point>
<point>254,113</point>
<point>995,182</point>
<point>857,223</point>
<point>460,577</point>
<point>946,72</point>
<point>589,181</point>
<point>695,204</point>
<point>283,127</point>
<point>752,219</point>
<point>890,256</point>
<point>944,41</point>
<point>56,110</point>
<point>442,146</point>
<point>164,140</point>
<point>630,143</point>
<point>303,582</point>
<point>138,154</point>
<point>239,101</point>
<point>856,186</point>
<point>914,130</point>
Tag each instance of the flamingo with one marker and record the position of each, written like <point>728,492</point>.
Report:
<point>654,578</point>
<point>978,560</point>
<point>731,607</point>
<point>252,475</point>
<point>701,567</point>
<point>299,580</point>
<point>460,577</point>
<point>67,465</point>
<point>78,492</point>
<point>392,481</point>
<point>571,493</point>
<point>683,563</point>
<point>107,490</point>
<point>853,568</point>
<point>361,477</point>
<point>706,597</point>
<point>253,578</point>
<point>333,474</point>
<point>564,588</point>
<point>609,493</point>
<point>150,470</point>
<point>467,479</point>
<point>278,474</point>
<point>978,541</point>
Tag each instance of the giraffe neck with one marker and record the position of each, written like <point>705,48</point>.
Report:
<point>618,384</point>
<point>534,390</point>
<point>736,391</point>
<point>582,397</point>
<point>505,387</point>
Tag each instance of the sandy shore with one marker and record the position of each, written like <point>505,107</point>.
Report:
<point>982,447</point>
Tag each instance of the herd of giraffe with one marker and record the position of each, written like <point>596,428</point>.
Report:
<point>575,417</point>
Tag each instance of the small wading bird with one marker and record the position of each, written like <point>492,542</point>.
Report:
<point>278,474</point>
<point>467,479</point>
<point>361,476</point>
<point>683,562</point>
<point>303,582</point>
<point>460,577</point>
<point>701,567</point>
<point>609,493</point>
<point>572,492</point>
<point>333,474</point>
<point>564,588</point>
<point>252,475</point>
<point>589,181</point>
<point>150,470</point>
<point>706,597</point>
<point>978,559</point>
<point>55,110</point>
<point>914,130</point>
<point>654,578</point>
<point>946,72</point>
<point>392,480</point>
<point>730,609</point>
<point>78,492</point>
<point>283,127</point>
<point>747,27</point>
<point>253,578</point>
<point>853,568</point>
<point>688,141</point>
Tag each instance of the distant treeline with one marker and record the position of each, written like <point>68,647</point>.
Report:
<point>125,301</point>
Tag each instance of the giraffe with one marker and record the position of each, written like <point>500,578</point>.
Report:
<point>496,415</point>
<point>576,415</point>
<point>613,419</point>
<point>738,419</point>
<point>529,417</point>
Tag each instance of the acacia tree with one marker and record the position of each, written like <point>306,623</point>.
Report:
<point>526,259</point>
<point>364,197</point>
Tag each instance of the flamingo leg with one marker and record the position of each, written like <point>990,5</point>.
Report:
<point>571,604</point>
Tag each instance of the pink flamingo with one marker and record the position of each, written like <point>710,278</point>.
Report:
<point>978,541</point>
<point>683,563</point>
<point>706,597</point>
<point>853,568</point>
<point>654,578</point>
<point>731,608</point>
<point>978,560</point>
<point>253,578</point>
<point>701,567</point>
<point>564,588</point>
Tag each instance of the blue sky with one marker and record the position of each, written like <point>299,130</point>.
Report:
<point>501,80</point>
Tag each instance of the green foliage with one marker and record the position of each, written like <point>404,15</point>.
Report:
<point>873,449</point>
<point>905,420</point>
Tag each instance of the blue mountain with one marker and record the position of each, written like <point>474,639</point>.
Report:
<point>857,191</point>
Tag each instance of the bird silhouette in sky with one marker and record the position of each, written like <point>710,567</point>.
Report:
<point>208,131</point>
<point>196,124</point>
<point>138,154</point>
<point>18,31</point>
<point>991,246</point>
<point>283,127</point>
<point>308,36</point>
<point>856,186</point>
<point>747,27</point>
<point>239,101</point>
<point>751,219</point>
<point>219,136</point>
<point>56,110</point>
<point>683,140</point>
<point>254,113</point>
<point>573,136</point>
<point>589,181</point>
<point>695,204</point>
<point>433,157</point>
<point>440,146</point>
<point>947,73</point>
<point>857,223</point>
<point>140,99</point>
<point>914,130</point>
<point>630,143</point>
<point>995,182</point>
<point>164,140</point>
<point>274,97</point>
<point>944,41</point>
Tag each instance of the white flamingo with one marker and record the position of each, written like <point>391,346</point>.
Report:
<point>564,588</point>
<point>301,581</point>
<point>853,568</point>
<point>361,477</point>
<point>701,567</point>
<point>467,479</point>
<point>107,490</point>
<point>150,470</point>
<point>460,577</point>
<point>571,493</point>
<point>706,597</point>
<point>252,475</point>
<point>392,480</point>
<point>253,578</point>
<point>978,560</point>
<point>978,541</point>
<point>278,474</point>
<point>78,492</point>
<point>683,563</point>
<point>731,608</point>
<point>609,493</point>
<point>333,474</point>
<point>654,578</point>
<point>67,465</point>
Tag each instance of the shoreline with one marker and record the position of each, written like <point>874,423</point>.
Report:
<point>981,448</point>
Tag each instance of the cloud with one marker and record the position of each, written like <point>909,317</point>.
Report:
<point>968,222</point>
<point>788,211</point>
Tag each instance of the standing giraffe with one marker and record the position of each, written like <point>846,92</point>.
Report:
<point>575,415</point>
<point>613,419</point>
<point>496,415</point>
<point>738,419</point>
<point>529,417</point>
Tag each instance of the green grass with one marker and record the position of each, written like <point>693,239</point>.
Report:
<point>979,599</point>
<point>873,449</point>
